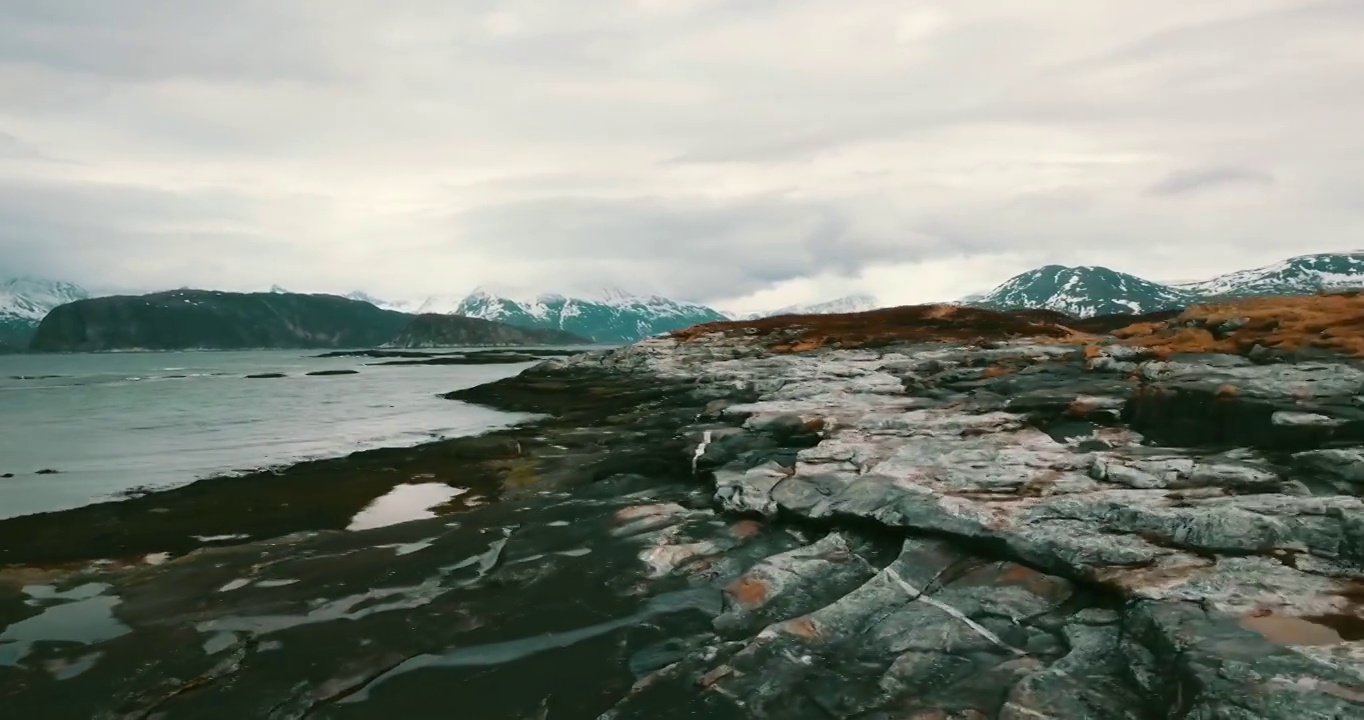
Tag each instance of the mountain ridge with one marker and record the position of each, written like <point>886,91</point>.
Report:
<point>860,302</point>
<point>1087,290</point>
<point>217,320</point>
<point>611,315</point>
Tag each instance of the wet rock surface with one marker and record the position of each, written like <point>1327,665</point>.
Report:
<point>1019,529</point>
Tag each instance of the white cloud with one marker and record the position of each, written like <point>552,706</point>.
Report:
<point>744,152</point>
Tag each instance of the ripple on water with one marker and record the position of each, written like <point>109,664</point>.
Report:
<point>404,503</point>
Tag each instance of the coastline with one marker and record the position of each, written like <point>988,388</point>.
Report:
<point>1024,527</point>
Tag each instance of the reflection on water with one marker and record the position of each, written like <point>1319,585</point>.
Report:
<point>404,503</point>
<point>82,615</point>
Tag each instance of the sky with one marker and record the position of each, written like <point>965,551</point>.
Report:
<point>743,153</point>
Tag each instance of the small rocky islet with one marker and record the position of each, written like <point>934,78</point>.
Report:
<point>933,512</point>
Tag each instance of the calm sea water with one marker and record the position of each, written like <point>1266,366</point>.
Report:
<point>108,423</point>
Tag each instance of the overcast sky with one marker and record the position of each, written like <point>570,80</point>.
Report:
<point>744,153</point>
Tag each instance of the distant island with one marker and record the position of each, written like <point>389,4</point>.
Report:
<point>215,320</point>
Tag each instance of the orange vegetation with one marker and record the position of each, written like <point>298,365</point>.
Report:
<point>748,592</point>
<point>924,323</point>
<point>1333,321</point>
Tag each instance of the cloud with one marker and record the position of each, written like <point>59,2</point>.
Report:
<point>1187,181</point>
<point>725,151</point>
<point>692,247</point>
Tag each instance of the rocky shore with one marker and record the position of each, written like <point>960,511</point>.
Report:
<point>933,513</point>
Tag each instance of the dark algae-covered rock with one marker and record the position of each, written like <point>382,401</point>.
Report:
<point>928,513</point>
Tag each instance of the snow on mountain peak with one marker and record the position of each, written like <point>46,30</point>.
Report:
<point>1296,275</point>
<point>1084,291</point>
<point>29,298</point>
<point>606,315</point>
<point>845,304</point>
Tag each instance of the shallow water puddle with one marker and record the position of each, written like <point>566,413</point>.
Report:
<point>485,561</point>
<point>704,600</point>
<point>85,617</point>
<point>351,607</point>
<point>404,503</point>
<point>408,548</point>
<point>275,583</point>
<point>67,669</point>
<point>221,538</point>
<point>219,642</point>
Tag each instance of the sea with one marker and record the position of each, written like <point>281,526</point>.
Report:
<point>113,424</point>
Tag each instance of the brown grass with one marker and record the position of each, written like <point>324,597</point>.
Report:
<point>1333,321</point>
<point>995,371</point>
<point>925,323</point>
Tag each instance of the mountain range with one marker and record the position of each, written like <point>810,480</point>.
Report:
<point>609,316</point>
<point>614,316</point>
<point>1086,291</point>
<point>210,319</point>
<point>846,304</point>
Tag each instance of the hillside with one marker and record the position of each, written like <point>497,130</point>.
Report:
<point>206,319</point>
<point>432,330</point>
<point>1084,291</point>
<point>1301,275</point>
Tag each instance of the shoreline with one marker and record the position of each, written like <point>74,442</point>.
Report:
<point>729,525</point>
<point>325,349</point>
<point>88,479</point>
<point>312,495</point>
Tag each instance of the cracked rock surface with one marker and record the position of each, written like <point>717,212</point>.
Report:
<point>1024,530</point>
<point>1082,539</point>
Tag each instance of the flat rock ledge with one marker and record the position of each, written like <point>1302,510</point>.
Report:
<point>1084,532</point>
<point>1021,530</point>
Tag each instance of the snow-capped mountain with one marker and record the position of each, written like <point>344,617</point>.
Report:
<point>1085,292</point>
<point>846,304</point>
<point>1304,274</point>
<point>404,306</point>
<point>25,301</point>
<point>607,316</point>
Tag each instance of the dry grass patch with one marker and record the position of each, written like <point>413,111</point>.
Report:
<point>923,323</point>
<point>1333,321</point>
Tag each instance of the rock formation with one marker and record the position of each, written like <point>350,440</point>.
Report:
<point>935,513</point>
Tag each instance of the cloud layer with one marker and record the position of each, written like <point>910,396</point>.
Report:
<point>738,152</point>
